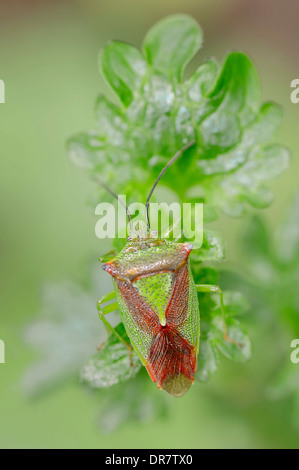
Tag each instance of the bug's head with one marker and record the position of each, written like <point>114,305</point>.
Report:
<point>146,256</point>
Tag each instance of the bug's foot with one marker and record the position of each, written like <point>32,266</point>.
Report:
<point>130,356</point>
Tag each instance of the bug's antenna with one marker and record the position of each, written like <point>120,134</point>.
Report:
<point>171,161</point>
<point>97,180</point>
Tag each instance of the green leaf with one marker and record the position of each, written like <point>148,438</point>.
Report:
<point>256,239</point>
<point>212,340</point>
<point>111,122</point>
<point>230,191</point>
<point>204,275</point>
<point>202,81</point>
<point>237,88</point>
<point>220,109</point>
<point>219,132</point>
<point>259,131</point>
<point>111,365</point>
<point>271,258</point>
<point>208,359</point>
<point>65,334</point>
<point>268,163</point>
<point>235,303</point>
<point>86,150</point>
<point>287,238</point>
<point>212,248</point>
<point>171,44</point>
<point>238,348</point>
<point>272,262</point>
<point>124,68</point>
<point>264,125</point>
<point>92,152</point>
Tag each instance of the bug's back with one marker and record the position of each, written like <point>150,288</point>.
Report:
<point>159,308</point>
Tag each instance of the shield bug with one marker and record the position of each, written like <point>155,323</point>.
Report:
<point>157,299</point>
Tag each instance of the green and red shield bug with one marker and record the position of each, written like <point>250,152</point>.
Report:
<point>157,299</point>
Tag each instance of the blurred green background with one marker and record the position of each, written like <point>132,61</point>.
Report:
<point>48,61</point>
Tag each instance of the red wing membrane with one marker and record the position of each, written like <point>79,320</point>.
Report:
<point>177,308</point>
<point>170,355</point>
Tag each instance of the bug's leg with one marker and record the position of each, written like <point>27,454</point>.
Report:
<point>107,256</point>
<point>108,309</point>
<point>210,288</point>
